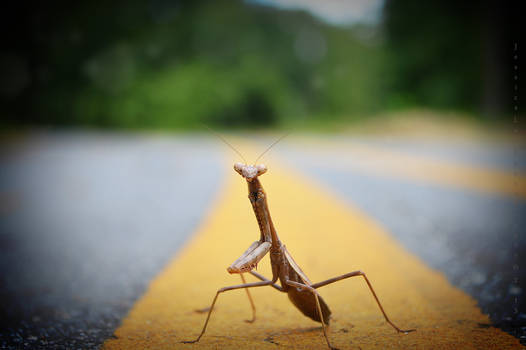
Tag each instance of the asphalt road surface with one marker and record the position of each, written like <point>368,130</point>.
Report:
<point>475,238</point>
<point>89,219</point>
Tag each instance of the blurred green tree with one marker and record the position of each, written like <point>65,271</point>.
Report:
<point>231,63</point>
<point>450,54</point>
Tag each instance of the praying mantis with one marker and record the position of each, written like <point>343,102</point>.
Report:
<point>292,280</point>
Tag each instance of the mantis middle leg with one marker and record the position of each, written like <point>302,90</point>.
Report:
<point>360,273</point>
<point>262,278</point>
<point>226,289</point>
<point>250,300</point>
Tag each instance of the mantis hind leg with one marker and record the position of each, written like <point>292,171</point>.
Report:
<point>316,297</point>
<point>360,273</point>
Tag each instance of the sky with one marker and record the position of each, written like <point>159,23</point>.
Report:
<point>338,12</point>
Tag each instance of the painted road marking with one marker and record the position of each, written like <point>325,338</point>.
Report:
<point>384,162</point>
<point>327,237</point>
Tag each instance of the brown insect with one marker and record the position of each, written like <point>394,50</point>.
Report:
<point>293,281</point>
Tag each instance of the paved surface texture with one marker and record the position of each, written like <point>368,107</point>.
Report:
<point>327,237</point>
<point>473,233</point>
<point>89,219</point>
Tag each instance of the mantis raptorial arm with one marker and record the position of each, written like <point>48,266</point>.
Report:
<point>250,258</point>
<point>245,263</point>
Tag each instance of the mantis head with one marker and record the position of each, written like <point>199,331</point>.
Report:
<point>250,172</point>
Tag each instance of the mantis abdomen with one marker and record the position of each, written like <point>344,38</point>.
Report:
<point>305,301</point>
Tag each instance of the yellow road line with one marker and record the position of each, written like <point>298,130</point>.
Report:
<point>326,237</point>
<point>384,162</point>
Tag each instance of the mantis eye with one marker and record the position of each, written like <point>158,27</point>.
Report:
<point>261,169</point>
<point>239,167</point>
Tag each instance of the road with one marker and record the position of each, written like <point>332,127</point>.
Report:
<point>89,221</point>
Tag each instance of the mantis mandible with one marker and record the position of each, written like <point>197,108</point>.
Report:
<point>293,281</point>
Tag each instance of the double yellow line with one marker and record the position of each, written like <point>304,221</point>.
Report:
<point>381,161</point>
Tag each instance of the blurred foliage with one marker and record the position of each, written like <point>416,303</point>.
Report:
<point>447,54</point>
<point>175,64</point>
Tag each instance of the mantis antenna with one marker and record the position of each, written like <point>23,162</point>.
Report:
<point>226,142</point>
<point>272,145</point>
